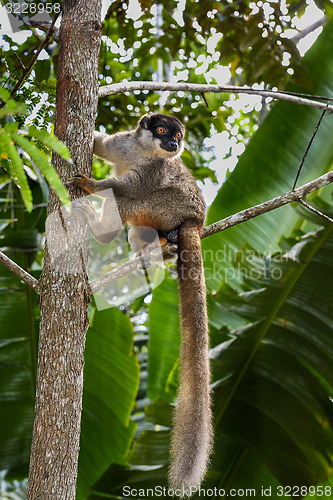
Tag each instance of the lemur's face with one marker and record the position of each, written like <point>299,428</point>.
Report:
<point>167,134</point>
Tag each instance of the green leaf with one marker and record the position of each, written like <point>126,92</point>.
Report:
<point>275,374</point>
<point>151,448</point>
<point>111,381</point>
<point>51,141</point>
<point>42,69</point>
<point>164,339</point>
<point>12,108</point>
<point>4,94</point>
<point>268,168</point>
<point>44,165</point>
<point>17,170</point>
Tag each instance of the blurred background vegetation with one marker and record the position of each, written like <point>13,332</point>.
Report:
<point>269,280</point>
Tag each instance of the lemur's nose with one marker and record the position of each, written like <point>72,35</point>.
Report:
<point>173,145</point>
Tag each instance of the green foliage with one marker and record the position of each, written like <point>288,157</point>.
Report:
<point>277,160</point>
<point>14,161</point>
<point>15,167</point>
<point>283,351</point>
<point>109,361</point>
<point>215,42</point>
<point>269,280</point>
<point>163,311</point>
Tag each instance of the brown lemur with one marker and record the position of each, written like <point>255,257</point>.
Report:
<point>155,190</point>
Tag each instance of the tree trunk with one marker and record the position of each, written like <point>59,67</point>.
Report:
<point>64,291</point>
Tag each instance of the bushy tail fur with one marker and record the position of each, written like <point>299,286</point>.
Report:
<point>191,440</point>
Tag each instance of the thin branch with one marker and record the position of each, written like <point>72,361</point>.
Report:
<point>55,32</point>
<point>268,206</point>
<point>114,275</point>
<point>117,88</point>
<point>27,70</point>
<point>18,271</point>
<point>205,100</point>
<point>314,210</point>
<point>30,27</point>
<point>309,29</point>
<point>309,145</point>
<point>232,220</point>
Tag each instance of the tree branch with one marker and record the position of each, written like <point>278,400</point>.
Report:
<point>118,88</point>
<point>314,210</point>
<point>268,206</point>
<point>309,145</point>
<point>247,214</point>
<point>232,220</point>
<point>114,275</point>
<point>54,32</point>
<point>309,29</point>
<point>18,271</point>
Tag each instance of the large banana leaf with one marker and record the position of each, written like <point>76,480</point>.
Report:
<point>111,379</point>
<point>275,374</point>
<point>269,166</point>
<point>18,331</point>
<point>16,374</point>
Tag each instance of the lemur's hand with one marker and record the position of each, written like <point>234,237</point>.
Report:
<point>81,181</point>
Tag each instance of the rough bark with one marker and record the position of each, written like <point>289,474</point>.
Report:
<point>64,293</point>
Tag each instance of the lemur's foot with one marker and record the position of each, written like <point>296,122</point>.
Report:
<point>169,237</point>
<point>172,236</point>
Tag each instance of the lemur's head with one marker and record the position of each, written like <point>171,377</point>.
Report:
<point>161,135</point>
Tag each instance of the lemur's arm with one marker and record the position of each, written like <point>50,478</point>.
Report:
<point>132,185</point>
<point>118,149</point>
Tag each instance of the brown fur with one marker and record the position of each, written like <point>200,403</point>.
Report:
<point>162,194</point>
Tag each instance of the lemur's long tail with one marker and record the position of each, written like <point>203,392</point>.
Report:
<point>191,441</point>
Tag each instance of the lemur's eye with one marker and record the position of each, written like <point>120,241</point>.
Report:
<point>179,135</point>
<point>160,130</point>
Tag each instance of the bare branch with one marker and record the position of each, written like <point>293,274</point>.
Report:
<point>309,145</point>
<point>114,275</point>
<point>268,206</point>
<point>309,29</point>
<point>232,220</point>
<point>118,88</point>
<point>18,271</point>
<point>54,32</point>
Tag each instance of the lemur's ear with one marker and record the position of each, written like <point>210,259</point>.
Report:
<point>145,122</point>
